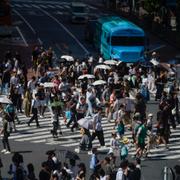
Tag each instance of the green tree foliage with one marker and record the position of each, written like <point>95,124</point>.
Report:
<point>152,5</point>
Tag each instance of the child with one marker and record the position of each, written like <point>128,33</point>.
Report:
<point>124,148</point>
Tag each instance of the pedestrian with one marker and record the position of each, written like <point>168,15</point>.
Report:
<point>107,168</point>
<point>95,164</point>
<point>27,103</point>
<point>97,126</point>
<point>114,148</point>
<point>73,113</point>
<point>124,148</point>
<point>81,108</point>
<point>56,110</point>
<point>30,173</point>
<point>177,172</point>
<point>44,173</point>
<point>140,139</point>
<point>85,142</point>
<point>81,175</point>
<point>34,108</point>
<point>5,133</point>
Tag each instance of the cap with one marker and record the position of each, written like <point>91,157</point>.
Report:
<point>137,115</point>
<point>150,115</point>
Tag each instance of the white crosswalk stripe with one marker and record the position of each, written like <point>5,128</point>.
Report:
<point>69,139</point>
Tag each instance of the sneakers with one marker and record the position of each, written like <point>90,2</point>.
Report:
<point>3,151</point>
<point>7,152</point>
<point>77,150</point>
<point>89,152</point>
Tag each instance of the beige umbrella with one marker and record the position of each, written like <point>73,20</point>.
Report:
<point>110,62</point>
<point>98,82</point>
<point>103,66</point>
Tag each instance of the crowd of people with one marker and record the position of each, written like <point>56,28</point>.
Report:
<point>120,94</point>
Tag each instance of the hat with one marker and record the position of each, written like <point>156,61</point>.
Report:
<point>150,115</point>
<point>154,53</point>
<point>137,115</point>
<point>125,140</point>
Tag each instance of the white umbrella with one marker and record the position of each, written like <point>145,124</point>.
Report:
<point>110,62</point>
<point>98,82</point>
<point>103,66</point>
<point>5,100</point>
<point>67,58</point>
<point>89,76</point>
<point>49,84</point>
<point>154,62</point>
<point>86,122</point>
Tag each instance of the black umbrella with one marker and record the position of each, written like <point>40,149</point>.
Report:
<point>71,155</point>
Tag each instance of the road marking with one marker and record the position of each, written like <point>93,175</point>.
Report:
<point>17,5</point>
<point>60,7</point>
<point>23,38</point>
<point>27,6</point>
<point>51,6</point>
<point>56,20</point>
<point>91,7</point>
<point>43,6</point>
<point>40,41</point>
<point>66,6</point>
<point>157,48</point>
<point>27,23</point>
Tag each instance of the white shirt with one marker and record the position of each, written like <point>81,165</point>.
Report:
<point>31,85</point>
<point>119,175</point>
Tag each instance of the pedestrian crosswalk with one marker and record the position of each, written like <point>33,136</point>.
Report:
<point>59,6</point>
<point>71,139</point>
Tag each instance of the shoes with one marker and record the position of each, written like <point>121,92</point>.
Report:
<point>7,152</point>
<point>28,124</point>
<point>3,151</point>
<point>77,150</point>
<point>60,133</point>
<point>38,126</point>
<point>41,116</point>
<point>72,130</point>
<point>89,152</point>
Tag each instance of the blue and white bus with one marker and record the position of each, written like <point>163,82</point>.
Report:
<point>117,38</point>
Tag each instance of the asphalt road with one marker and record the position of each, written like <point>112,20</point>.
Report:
<point>47,23</point>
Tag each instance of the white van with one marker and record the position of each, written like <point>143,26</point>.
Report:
<point>79,12</point>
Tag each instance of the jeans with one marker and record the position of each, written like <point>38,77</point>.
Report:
<point>5,142</point>
<point>5,88</point>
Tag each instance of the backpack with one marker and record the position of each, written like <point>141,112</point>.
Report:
<point>124,151</point>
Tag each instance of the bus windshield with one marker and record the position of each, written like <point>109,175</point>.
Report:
<point>127,41</point>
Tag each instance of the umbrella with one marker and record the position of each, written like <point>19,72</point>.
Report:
<point>110,62</point>
<point>71,155</point>
<point>154,62</point>
<point>67,57</point>
<point>49,84</point>
<point>88,76</point>
<point>86,122</point>
<point>98,82</point>
<point>5,100</point>
<point>103,66</point>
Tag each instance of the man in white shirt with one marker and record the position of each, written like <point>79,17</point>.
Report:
<point>31,84</point>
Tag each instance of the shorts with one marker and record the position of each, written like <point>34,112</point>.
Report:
<point>42,102</point>
<point>141,145</point>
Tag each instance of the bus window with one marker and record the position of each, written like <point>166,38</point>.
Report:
<point>127,41</point>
